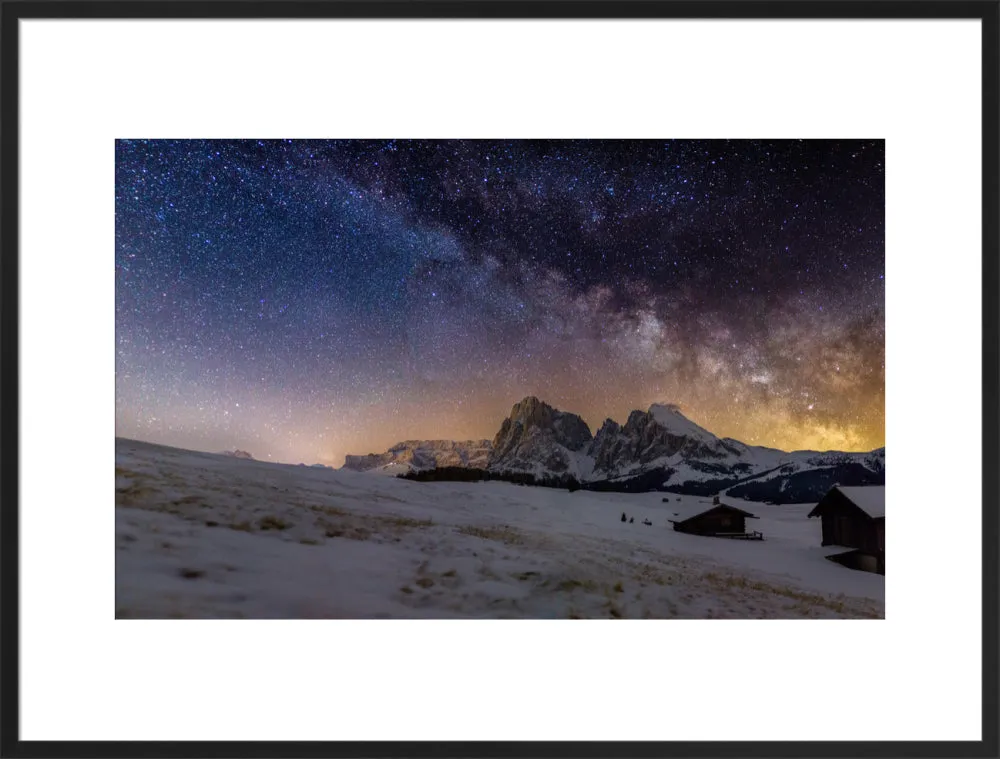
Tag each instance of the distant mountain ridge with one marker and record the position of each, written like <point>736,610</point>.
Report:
<point>238,454</point>
<point>423,454</point>
<point>657,449</point>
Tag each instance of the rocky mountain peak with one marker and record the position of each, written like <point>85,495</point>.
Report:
<point>609,427</point>
<point>535,434</point>
<point>658,434</point>
<point>530,415</point>
<point>531,412</point>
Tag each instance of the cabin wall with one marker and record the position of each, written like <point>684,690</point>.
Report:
<point>870,538</point>
<point>838,531</point>
<point>854,532</point>
<point>828,533</point>
<point>716,523</point>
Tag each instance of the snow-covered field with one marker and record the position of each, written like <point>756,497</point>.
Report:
<point>205,535</point>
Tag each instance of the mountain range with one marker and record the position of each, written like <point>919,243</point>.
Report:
<point>658,449</point>
<point>423,454</point>
<point>238,454</point>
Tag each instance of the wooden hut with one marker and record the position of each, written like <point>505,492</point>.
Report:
<point>720,521</point>
<point>854,517</point>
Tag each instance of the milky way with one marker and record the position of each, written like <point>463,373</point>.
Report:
<point>307,299</point>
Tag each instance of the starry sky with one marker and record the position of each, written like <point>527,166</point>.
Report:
<point>305,299</point>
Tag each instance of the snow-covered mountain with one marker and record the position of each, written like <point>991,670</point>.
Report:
<point>662,449</point>
<point>657,449</point>
<point>804,476</point>
<point>537,439</point>
<point>416,455</point>
<point>661,436</point>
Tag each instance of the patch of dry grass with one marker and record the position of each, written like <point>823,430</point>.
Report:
<point>272,522</point>
<point>330,511</point>
<point>501,533</point>
<point>614,610</point>
<point>806,603</point>
<point>337,523</point>
<point>132,495</point>
<point>404,522</point>
<point>348,531</point>
<point>650,573</point>
<point>571,584</point>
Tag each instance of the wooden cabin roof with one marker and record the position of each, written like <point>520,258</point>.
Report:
<point>710,509</point>
<point>868,498</point>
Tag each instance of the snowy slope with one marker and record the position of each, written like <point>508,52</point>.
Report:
<point>203,535</point>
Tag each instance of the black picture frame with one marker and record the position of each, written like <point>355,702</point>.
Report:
<point>988,12</point>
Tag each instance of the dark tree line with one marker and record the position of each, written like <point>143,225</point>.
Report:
<point>466,474</point>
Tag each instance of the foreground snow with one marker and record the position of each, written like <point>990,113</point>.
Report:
<point>203,535</point>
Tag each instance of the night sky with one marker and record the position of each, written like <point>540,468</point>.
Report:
<point>306,299</point>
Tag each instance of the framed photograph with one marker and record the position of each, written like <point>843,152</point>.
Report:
<point>499,378</point>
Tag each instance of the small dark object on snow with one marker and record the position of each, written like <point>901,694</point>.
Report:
<point>623,517</point>
<point>631,519</point>
<point>646,521</point>
<point>666,500</point>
